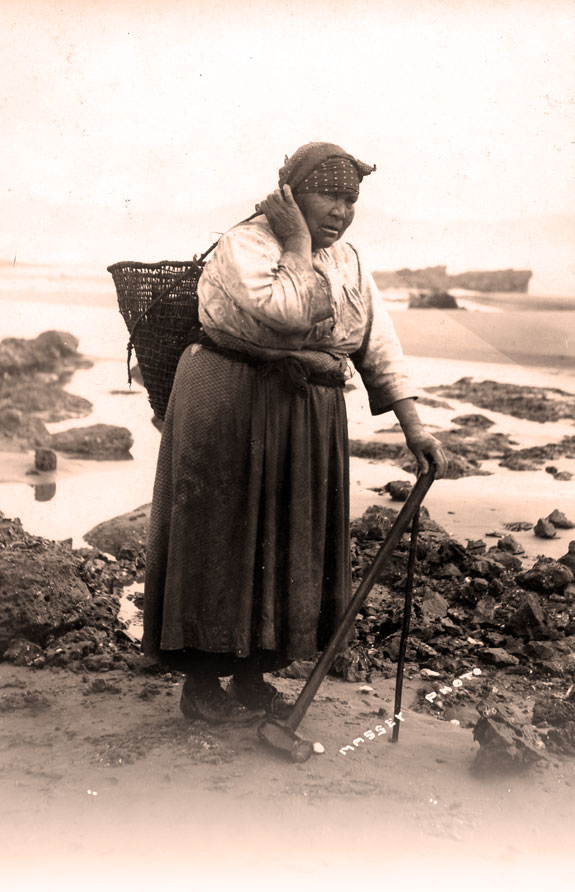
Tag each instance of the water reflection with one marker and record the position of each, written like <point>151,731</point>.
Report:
<point>43,492</point>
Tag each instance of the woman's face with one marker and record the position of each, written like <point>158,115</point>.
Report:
<point>327,216</point>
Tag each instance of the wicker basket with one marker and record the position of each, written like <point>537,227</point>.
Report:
<point>159,304</point>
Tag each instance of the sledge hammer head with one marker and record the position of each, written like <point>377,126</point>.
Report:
<point>281,737</point>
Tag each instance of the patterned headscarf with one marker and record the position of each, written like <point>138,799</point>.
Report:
<point>323,167</point>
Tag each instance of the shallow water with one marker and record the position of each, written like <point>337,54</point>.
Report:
<point>81,494</point>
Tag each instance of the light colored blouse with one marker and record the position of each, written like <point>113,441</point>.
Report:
<point>248,292</point>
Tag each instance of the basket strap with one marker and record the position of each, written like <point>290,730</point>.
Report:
<point>197,262</point>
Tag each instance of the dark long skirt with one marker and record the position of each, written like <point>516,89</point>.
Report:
<point>248,547</point>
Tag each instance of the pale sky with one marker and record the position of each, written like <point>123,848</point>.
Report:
<point>127,126</point>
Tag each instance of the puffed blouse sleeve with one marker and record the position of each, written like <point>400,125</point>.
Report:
<point>277,289</point>
<point>380,360</point>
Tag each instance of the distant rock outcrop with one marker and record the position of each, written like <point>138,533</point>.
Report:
<point>51,351</point>
<point>436,278</point>
<point>33,373</point>
<point>437,300</point>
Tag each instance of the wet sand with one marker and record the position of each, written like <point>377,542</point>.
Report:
<point>539,338</point>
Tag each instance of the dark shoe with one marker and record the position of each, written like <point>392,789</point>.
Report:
<point>210,703</point>
<point>259,694</point>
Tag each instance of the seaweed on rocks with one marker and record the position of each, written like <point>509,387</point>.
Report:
<point>533,403</point>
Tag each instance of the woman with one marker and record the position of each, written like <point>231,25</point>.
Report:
<point>248,563</point>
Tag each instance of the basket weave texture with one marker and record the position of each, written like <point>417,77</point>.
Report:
<point>159,304</point>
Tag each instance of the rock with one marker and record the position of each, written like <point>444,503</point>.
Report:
<point>473,420</point>
<point>518,526</point>
<point>98,663</point>
<point>533,457</point>
<point>98,441</point>
<point>437,277</point>
<point>558,519</point>
<point>505,745</point>
<point>24,653</point>
<point>505,558</point>
<point>398,489</point>
<point>429,673</point>
<point>505,280</point>
<point>569,559</point>
<point>19,432</point>
<point>558,475</point>
<point>433,606</point>
<point>510,544</point>
<point>497,588</point>
<point>544,529</point>
<point>441,300</point>
<point>569,591</point>
<point>351,665</point>
<point>59,606</point>
<point>475,444</point>
<point>127,531</point>
<point>521,401</point>
<point>73,646</point>
<point>40,593</point>
<point>47,402</point>
<point>32,374</point>
<point>45,460</point>
<point>516,462</point>
<point>433,404</point>
<point>529,620</point>
<point>376,450</point>
<point>448,571</point>
<point>475,546</point>
<point>553,711</point>
<point>485,610</point>
<point>10,420</point>
<point>459,466</point>
<point>479,585</point>
<point>298,669</point>
<point>546,576</point>
<point>486,568</point>
<point>541,650</point>
<point>562,740</point>
<point>375,523</point>
<point>51,351</point>
<point>497,656</point>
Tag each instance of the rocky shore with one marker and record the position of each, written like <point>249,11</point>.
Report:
<point>33,374</point>
<point>97,763</point>
<point>479,606</point>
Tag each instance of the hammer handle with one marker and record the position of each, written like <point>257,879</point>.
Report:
<point>323,665</point>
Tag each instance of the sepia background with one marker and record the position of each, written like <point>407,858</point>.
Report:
<point>142,130</point>
<point>137,129</point>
